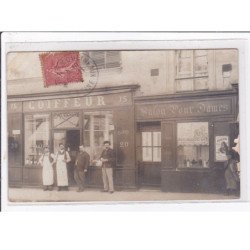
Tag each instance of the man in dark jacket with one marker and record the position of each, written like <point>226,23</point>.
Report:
<point>108,162</point>
<point>81,167</point>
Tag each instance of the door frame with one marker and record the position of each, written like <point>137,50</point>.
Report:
<point>148,126</point>
<point>65,131</point>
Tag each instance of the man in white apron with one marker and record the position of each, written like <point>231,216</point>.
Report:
<point>46,160</point>
<point>61,159</point>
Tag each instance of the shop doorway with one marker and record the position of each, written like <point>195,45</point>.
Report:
<point>149,154</point>
<point>71,139</point>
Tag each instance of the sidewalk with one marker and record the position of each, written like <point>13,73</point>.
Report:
<point>38,195</point>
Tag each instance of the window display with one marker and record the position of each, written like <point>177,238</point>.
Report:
<point>37,134</point>
<point>15,139</point>
<point>192,145</point>
<point>98,127</point>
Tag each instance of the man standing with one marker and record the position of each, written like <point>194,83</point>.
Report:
<point>61,159</point>
<point>46,161</point>
<point>108,162</point>
<point>81,167</point>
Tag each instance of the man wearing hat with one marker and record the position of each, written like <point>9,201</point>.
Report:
<point>108,162</point>
<point>81,167</point>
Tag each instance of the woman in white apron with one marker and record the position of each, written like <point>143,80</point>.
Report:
<point>46,160</point>
<point>61,159</point>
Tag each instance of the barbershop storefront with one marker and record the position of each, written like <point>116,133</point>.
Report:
<point>179,140</point>
<point>72,119</point>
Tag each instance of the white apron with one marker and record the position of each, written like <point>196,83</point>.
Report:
<point>61,169</point>
<point>48,173</point>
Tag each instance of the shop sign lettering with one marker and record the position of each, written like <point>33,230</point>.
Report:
<point>78,102</point>
<point>123,132</point>
<point>184,109</point>
<point>14,107</point>
<point>123,144</point>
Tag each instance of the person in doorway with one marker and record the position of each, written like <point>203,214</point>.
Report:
<point>81,167</point>
<point>231,174</point>
<point>46,160</point>
<point>70,165</point>
<point>108,162</point>
<point>62,158</point>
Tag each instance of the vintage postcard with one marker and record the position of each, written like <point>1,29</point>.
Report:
<point>121,121</point>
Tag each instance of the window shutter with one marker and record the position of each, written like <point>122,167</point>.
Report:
<point>184,63</point>
<point>106,59</point>
<point>113,59</point>
<point>99,58</point>
<point>201,63</point>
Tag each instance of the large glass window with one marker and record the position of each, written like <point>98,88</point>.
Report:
<point>191,70</point>
<point>36,136</point>
<point>192,145</point>
<point>15,140</point>
<point>98,127</point>
<point>151,146</point>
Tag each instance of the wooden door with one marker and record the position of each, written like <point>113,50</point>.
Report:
<point>149,156</point>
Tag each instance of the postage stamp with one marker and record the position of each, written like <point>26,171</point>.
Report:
<point>69,67</point>
<point>61,68</point>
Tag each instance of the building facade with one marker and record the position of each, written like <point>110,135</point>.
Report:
<point>165,112</point>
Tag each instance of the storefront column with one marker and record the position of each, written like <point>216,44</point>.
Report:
<point>125,171</point>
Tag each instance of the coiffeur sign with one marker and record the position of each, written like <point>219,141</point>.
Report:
<point>85,102</point>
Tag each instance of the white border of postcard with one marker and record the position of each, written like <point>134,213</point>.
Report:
<point>42,41</point>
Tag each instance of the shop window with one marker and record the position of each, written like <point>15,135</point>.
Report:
<point>151,146</point>
<point>191,70</point>
<point>106,59</point>
<point>98,127</point>
<point>36,136</point>
<point>15,140</point>
<point>192,145</point>
<point>66,120</point>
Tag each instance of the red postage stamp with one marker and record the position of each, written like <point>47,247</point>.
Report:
<point>61,68</point>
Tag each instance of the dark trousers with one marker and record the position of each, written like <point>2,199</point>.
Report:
<point>79,176</point>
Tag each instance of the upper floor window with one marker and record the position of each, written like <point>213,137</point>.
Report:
<point>191,70</point>
<point>106,59</point>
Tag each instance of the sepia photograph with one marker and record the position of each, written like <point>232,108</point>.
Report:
<point>132,125</point>
<point>124,125</point>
